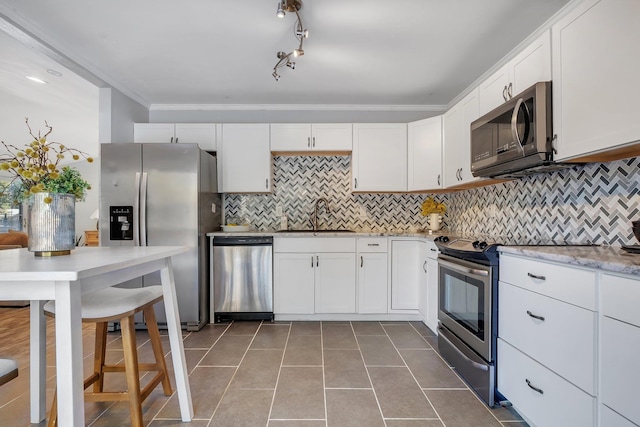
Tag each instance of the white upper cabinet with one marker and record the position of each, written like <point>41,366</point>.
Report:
<point>424,161</point>
<point>595,77</point>
<point>457,139</point>
<point>379,159</point>
<point>531,65</point>
<point>203,134</point>
<point>304,137</point>
<point>245,158</point>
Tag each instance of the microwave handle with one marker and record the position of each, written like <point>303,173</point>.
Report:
<point>514,123</point>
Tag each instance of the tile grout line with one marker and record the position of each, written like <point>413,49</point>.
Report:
<point>197,365</point>
<point>324,382</point>
<point>237,368</point>
<point>413,376</point>
<point>275,387</point>
<point>366,368</point>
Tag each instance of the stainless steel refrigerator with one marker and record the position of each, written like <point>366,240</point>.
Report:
<point>163,195</point>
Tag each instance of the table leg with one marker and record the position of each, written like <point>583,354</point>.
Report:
<point>38,362</point>
<point>69,354</point>
<point>175,340</point>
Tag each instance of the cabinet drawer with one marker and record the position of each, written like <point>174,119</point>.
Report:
<point>314,244</point>
<point>372,244</point>
<point>572,285</point>
<point>559,405</point>
<point>563,342</point>
<point>610,418</point>
<point>620,376</point>
<point>620,298</point>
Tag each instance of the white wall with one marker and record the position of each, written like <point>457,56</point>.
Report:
<point>117,114</point>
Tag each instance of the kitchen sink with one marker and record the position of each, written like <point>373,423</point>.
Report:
<point>316,231</point>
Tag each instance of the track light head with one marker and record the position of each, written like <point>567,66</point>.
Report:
<point>291,65</point>
<point>276,75</point>
<point>280,13</point>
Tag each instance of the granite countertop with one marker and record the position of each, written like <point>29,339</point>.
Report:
<point>360,233</point>
<point>611,258</point>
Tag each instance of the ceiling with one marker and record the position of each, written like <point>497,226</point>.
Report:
<point>413,53</point>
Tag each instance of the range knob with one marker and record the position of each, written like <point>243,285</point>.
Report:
<point>475,244</point>
<point>482,245</point>
<point>442,239</point>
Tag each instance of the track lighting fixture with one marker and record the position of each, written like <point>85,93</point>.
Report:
<point>299,32</point>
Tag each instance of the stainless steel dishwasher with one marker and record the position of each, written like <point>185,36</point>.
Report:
<point>242,278</point>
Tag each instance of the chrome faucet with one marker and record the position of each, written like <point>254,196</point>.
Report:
<point>314,219</point>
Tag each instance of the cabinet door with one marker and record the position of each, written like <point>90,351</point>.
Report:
<point>494,91</point>
<point>424,161</point>
<point>203,134</point>
<point>620,374</point>
<point>332,136</point>
<point>432,295</point>
<point>246,158</point>
<point>153,132</point>
<point>335,275</point>
<point>372,282</point>
<point>595,90</point>
<point>457,139</point>
<point>422,286</point>
<point>406,273</point>
<point>290,137</point>
<point>532,65</point>
<point>379,160</point>
<point>293,283</point>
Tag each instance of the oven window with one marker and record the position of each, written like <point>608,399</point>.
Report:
<point>462,299</point>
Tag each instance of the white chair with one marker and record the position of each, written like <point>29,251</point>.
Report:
<point>112,304</point>
<point>8,370</point>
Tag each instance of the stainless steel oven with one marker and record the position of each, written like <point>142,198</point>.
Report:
<point>465,306</point>
<point>467,311</point>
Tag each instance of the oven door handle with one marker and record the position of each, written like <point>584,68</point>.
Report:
<point>472,362</point>
<point>464,270</point>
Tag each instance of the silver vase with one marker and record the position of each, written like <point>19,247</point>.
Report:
<point>51,226</point>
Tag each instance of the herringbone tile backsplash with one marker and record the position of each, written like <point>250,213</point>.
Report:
<point>593,203</point>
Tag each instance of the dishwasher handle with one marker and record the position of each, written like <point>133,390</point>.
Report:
<point>243,241</point>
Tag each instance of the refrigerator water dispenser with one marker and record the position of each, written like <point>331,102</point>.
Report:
<point>121,222</point>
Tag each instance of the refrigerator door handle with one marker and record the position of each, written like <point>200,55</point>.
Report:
<point>143,210</point>
<point>136,212</point>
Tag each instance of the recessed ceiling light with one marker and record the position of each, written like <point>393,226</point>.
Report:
<point>54,72</point>
<point>35,79</point>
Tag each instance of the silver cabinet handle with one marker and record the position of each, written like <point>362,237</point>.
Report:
<point>314,142</point>
<point>535,316</point>
<point>424,266</point>
<point>361,261</point>
<point>434,250</point>
<point>510,91</point>
<point>438,179</point>
<point>535,276</point>
<point>266,183</point>
<point>309,142</point>
<point>171,141</point>
<point>176,139</point>
<point>311,261</point>
<point>317,260</point>
<point>373,244</point>
<point>539,390</point>
<point>356,182</point>
<point>460,174</point>
<point>504,93</point>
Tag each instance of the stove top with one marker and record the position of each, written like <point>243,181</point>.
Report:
<point>483,249</point>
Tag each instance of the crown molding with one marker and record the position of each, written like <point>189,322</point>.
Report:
<point>294,107</point>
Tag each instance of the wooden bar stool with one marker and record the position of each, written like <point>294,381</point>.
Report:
<point>8,370</point>
<point>112,304</point>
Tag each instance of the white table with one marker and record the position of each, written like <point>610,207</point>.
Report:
<point>24,276</point>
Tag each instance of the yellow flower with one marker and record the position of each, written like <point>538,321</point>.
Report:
<point>76,157</point>
<point>90,159</point>
<point>5,166</point>
<point>14,163</point>
<point>48,200</point>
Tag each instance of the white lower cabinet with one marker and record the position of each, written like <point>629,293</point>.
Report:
<point>293,278</point>
<point>335,283</point>
<point>406,274</point>
<point>543,397</point>
<point>432,287</point>
<point>560,336</point>
<point>314,275</point>
<point>372,261</point>
<point>620,347</point>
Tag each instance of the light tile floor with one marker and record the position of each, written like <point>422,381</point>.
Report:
<point>283,374</point>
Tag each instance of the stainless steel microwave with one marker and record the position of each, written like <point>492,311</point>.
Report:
<point>515,139</point>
